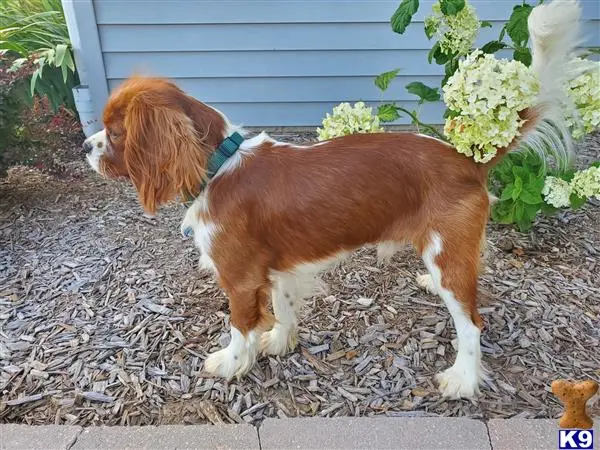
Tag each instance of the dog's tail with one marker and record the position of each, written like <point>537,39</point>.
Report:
<point>554,31</point>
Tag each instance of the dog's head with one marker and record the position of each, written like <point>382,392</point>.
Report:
<point>158,137</point>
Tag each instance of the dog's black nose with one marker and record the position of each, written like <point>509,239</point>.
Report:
<point>87,147</point>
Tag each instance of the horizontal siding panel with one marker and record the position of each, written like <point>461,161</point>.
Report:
<point>301,11</point>
<point>270,64</point>
<point>282,63</point>
<point>305,114</point>
<point>228,37</point>
<point>294,89</point>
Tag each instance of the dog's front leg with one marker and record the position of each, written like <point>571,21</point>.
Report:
<point>248,321</point>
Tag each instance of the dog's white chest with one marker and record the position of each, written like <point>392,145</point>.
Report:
<point>195,223</point>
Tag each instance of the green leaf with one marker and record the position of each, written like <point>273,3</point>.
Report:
<point>531,210</point>
<point>577,201</point>
<point>430,29</point>
<point>449,69</point>
<point>503,212</point>
<point>403,15</point>
<point>493,46</point>
<point>520,172</point>
<point>450,114</point>
<point>523,55</point>
<point>507,192</point>
<point>485,24</point>
<point>451,7</point>
<point>387,113</point>
<point>14,47</point>
<point>425,93</point>
<point>382,81</point>
<point>439,56</point>
<point>519,211</point>
<point>548,209</point>
<point>531,196</point>
<point>61,51</point>
<point>69,61</point>
<point>65,73</point>
<point>502,33</point>
<point>518,188</point>
<point>524,224</point>
<point>34,78</point>
<point>516,27</point>
<point>435,48</point>
<point>537,182</point>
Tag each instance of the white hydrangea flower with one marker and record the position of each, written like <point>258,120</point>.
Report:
<point>487,94</point>
<point>347,119</point>
<point>557,192</point>
<point>455,34</point>
<point>586,183</point>
<point>583,116</point>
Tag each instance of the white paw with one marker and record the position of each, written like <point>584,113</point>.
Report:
<point>234,360</point>
<point>455,383</point>
<point>278,341</point>
<point>426,282</point>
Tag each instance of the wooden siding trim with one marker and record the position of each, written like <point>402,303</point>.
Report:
<point>83,30</point>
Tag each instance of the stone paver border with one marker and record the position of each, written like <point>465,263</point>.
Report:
<point>413,433</point>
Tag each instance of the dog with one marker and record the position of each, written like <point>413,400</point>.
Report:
<point>268,216</point>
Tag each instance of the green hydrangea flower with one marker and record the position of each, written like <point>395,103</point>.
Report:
<point>455,33</point>
<point>557,192</point>
<point>347,119</point>
<point>586,183</point>
<point>583,116</point>
<point>486,95</point>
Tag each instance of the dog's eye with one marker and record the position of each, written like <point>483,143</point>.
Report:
<point>114,136</point>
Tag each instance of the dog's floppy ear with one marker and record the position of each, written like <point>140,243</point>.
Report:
<point>163,152</point>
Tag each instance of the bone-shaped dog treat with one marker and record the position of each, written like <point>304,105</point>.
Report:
<point>574,396</point>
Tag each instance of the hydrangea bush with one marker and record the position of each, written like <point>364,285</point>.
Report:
<point>347,119</point>
<point>484,95</point>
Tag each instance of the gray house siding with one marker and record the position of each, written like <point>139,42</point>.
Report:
<point>274,63</point>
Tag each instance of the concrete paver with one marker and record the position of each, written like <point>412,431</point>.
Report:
<point>302,433</point>
<point>41,437</point>
<point>374,433</point>
<point>527,434</point>
<point>218,437</point>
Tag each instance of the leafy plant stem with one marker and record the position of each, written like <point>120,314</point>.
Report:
<point>417,122</point>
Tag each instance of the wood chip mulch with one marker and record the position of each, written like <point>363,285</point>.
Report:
<point>105,318</point>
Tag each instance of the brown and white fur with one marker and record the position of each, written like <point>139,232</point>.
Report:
<point>277,214</point>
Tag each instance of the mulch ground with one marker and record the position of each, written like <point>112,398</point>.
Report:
<point>105,318</point>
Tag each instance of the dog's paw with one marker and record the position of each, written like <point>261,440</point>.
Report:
<point>278,341</point>
<point>236,359</point>
<point>426,282</point>
<point>227,365</point>
<point>455,384</point>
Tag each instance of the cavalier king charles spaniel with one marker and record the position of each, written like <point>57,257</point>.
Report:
<point>268,216</point>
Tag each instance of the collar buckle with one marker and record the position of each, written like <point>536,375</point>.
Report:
<point>230,145</point>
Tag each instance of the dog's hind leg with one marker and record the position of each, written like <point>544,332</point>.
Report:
<point>451,253</point>
<point>288,293</point>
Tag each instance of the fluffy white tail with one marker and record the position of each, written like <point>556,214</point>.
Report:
<point>555,33</point>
